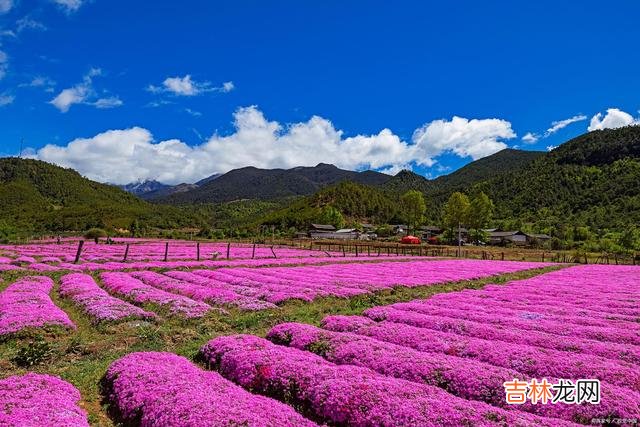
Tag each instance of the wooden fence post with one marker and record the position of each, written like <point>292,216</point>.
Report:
<point>356,251</point>
<point>166,251</point>
<point>502,258</point>
<point>228,249</point>
<point>198,250</point>
<point>273,252</point>
<point>126,253</point>
<point>253,253</point>
<point>79,252</point>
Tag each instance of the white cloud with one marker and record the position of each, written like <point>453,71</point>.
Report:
<point>28,23</point>
<point>5,5</point>
<point>186,86</point>
<point>530,138</point>
<point>84,93</point>
<point>463,137</point>
<point>40,82</point>
<point>614,118</point>
<point>194,113</point>
<point>551,147</point>
<point>69,5</point>
<point>4,64</point>
<point>6,99</point>
<point>228,86</point>
<point>560,124</point>
<point>111,102</point>
<point>122,156</point>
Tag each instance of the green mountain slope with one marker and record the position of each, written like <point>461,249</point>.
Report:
<point>592,180</point>
<point>38,196</point>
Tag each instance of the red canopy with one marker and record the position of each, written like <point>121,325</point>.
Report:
<point>411,240</point>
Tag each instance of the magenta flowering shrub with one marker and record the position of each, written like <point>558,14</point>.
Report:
<point>464,378</point>
<point>276,285</point>
<point>346,394</point>
<point>37,400</point>
<point>26,304</point>
<point>217,295</point>
<point>490,332</point>
<point>163,389</point>
<point>533,322</point>
<point>534,361</point>
<point>259,262</point>
<point>141,293</point>
<point>96,302</point>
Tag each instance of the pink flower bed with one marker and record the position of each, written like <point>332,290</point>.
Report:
<point>151,250</point>
<point>37,400</point>
<point>96,302</point>
<point>26,304</point>
<point>200,292</point>
<point>464,378</point>
<point>279,284</point>
<point>346,394</point>
<point>265,262</point>
<point>162,389</point>
<point>141,293</point>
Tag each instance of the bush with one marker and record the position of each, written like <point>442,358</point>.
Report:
<point>95,233</point>
<point>33,353</point>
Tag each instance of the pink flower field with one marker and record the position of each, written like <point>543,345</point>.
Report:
<point>439,361</point>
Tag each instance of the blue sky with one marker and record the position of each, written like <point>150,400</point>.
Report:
<point>129,90</point>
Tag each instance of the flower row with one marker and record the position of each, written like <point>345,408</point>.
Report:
<point>135,290</point>
<point>347,394</point>
<point>96,302</point>
<point>163,389</point>
<point>461,377</point>
<point>26,304</point>
<point>38,400</point>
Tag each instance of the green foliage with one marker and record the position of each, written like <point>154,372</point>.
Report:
<point>456,210</point>
<point>38,197</point>
<point>413,208</point>
<point>332,216</point>
<point>95,233</point>
<point>480,216</point>
<point>33,353</point>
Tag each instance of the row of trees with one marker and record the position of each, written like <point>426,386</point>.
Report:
<point>475,213</point>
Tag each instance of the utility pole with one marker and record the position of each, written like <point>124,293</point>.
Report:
<point>459,241</point>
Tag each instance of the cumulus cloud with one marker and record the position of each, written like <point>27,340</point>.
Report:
<point>84,93</point>
<point>466,138</point>
<point>6,99</point>
<point>6,6</point>
<point>561,124</point>
<point>186,86</point>
<point>614,118</point>
<point>530,138</point>
<point>69,5</point>
<point>128,155</point>
<point>551,147</point>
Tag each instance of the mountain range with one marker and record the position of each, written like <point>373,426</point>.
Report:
<point>269,184</point>
<point>592,180</point>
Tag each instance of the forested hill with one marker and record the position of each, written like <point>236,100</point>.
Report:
<point>38,196</point>
<point>592,180</point>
